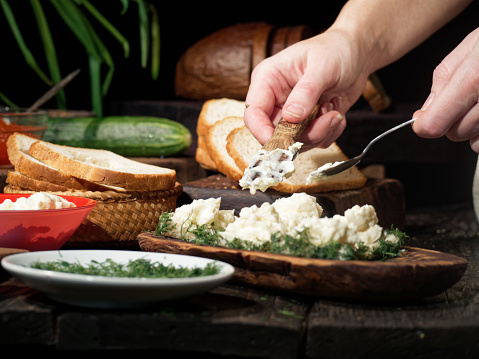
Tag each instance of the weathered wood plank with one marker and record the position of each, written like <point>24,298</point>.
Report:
<point>226,321</point>
<point>24,318</point>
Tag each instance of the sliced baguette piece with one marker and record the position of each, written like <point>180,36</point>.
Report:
<point>216,146</point>
<point>18,146</point>
<point>104,167</point>
<point>242,146</point>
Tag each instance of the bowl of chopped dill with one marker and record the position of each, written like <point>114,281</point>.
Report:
<point>116,278</point>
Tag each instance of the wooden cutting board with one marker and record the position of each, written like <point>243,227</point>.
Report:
<point>386,195</point>
<point>416,274</point>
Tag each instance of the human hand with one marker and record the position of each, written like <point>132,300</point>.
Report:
<point>326,69</point>
<point>452,108</point>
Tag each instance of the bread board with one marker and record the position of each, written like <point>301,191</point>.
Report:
<point>416,274</point>
<point>386,195</point>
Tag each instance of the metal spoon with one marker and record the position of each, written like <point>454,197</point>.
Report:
<point>343,166</point>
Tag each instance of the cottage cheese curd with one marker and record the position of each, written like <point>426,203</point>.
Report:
<point>296,208</point>
<point>39,200</point>
<point>290,215</point>
<point>198,213</point>
<point>255,224</point>
<point>269,168</point>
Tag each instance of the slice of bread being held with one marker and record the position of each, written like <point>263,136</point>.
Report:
<point>104,167</point>
<point>242,146</point>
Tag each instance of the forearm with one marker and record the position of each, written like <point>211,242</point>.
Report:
<point>385,30</point>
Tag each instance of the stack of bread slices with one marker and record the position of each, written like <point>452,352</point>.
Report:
<point>44,166</point>
<point>227,146</point>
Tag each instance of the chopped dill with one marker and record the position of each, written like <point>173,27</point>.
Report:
<point>165,224</point>
<point>138,268</point>
<point>298,245</point>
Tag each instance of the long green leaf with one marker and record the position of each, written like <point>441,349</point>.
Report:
<point>144,32</point>
<point>155,43</point>
<point>97,52</point>
<point>125,4</point>
<point>7,101</point>
<point>27,54</point>
<point>107,25</point>
<point>71,15</point>
<point>95,85</point>
<point>49,48</point>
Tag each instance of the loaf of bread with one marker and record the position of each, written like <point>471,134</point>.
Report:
<point>39,164</point>
<point>211,112</point>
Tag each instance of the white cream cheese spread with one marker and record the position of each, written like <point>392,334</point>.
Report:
<point>317,175</point>
<point>269,168</point>
<point>39,200</point>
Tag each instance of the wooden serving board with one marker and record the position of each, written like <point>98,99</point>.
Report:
<point>386,195</point>
<point>416,274</point>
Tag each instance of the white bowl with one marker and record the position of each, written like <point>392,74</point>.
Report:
<point>112,292</point>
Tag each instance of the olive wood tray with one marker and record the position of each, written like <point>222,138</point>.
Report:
<point>418,273</point>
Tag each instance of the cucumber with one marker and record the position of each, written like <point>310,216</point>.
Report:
<point>132,136</point>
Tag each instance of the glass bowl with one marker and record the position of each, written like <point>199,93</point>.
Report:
<point>31,123</point>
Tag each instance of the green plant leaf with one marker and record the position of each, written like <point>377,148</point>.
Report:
<point>7,101</point>
<point>27,54</point>
<point>107,25</point>
<point>155,43</point>
<point>49,48</point>
<point>95,85</point>
<point>144,32</point>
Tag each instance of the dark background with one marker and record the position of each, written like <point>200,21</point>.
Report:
<point>181,25</point>
<point>433,171</point>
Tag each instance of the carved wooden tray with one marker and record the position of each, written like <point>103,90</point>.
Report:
<point>416,274</point>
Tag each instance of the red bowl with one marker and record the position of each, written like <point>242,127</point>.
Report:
<point>41,230</point>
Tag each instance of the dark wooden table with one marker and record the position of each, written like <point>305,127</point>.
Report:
<point>250,323</point>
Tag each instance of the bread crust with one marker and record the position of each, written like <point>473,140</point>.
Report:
<point>213,111</point>
<point>54,156</point>
<point>204,160</point>
<point>237,137</point>
<point>216,146</point>
<point>20,180</point>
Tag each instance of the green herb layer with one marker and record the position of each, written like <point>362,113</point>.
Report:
<point>298,246</point>
<point>138,268</point>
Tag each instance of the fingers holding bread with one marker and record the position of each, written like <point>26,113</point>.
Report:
<point>231,145</point>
